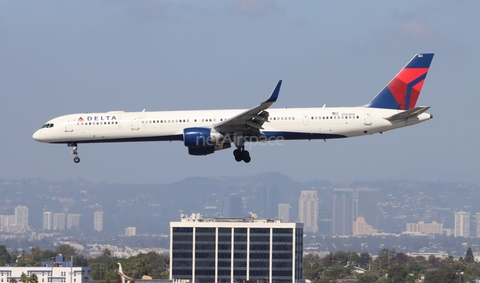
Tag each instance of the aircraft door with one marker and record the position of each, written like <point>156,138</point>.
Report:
<point>305,119</point>
<point>136,123</point>
<point>69,124</point>
<point>368,117</point>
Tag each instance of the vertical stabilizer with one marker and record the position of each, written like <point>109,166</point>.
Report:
<point>404,89</point>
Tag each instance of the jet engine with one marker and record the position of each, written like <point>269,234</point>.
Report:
<point>203,141</point>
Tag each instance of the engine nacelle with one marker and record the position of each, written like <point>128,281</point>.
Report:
<point>201,141</point>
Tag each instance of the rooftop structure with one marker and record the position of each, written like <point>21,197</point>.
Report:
<point>235,249</point>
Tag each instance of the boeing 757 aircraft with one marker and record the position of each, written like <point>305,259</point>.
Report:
<point>205,131</point>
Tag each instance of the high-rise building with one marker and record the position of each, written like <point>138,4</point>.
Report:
<point>130,231</point>
<point>284,212</point>
<point>367,206</point>
<point>232,206</point>
<point>21,217</point>
<point>73,221</point>
<point>59,221</point>
<point>267,202</point>
<point>308,210</point>
<point>47,220</point>
<point>235,250</point>
<point>425,228</point>
<point>361,227</point>
<point>342,218</point>
<point>3,222</point>
<point>98,221</point>
<point>477,221</point>
<point>462,224</point>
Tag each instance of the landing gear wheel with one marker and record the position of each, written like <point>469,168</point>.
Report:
<point>238,155</point>
<point>246,156</point>
<point>73,145</point>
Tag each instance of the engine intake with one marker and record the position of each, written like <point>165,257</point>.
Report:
<point>201,141</point>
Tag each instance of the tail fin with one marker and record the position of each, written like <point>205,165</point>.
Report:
<point>404,89</point>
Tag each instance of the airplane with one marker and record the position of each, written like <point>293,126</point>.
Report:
<point>205,131</point>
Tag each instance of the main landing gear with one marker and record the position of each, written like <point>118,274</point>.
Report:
<point>73,145</point>
<point>240,153</point>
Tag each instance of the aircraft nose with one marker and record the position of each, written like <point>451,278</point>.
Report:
<point>38,135</point>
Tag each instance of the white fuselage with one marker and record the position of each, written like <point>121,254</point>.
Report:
<point>288,124</point>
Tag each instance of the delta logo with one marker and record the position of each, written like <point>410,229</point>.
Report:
<point>98,118</point>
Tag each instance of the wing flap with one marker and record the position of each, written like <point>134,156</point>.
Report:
<point>250,121</point>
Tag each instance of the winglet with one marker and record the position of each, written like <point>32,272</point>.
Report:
<point>275,92</point>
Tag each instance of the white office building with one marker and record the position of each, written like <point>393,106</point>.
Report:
<point>58,271</point>
<point>130,231</point>
<point>462,224</point>
<point>73,221</point>
<point>47,223</point>
<point>21,217</point>
<point>235,250</point>
<point>59,221</point>
<point>308,210</point>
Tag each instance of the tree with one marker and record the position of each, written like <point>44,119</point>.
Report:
<point>66,250</point>
<point>23,277</point>
<point>367,277</point>
<point>469,256</point>
<point>397,273</point>
<point>311,266</point>
<point>4,256</point>
<point>12,280</point>
<point>33,278</point>
<point>364,260</point>
<point>341,258</point>
<point>327,260</point>
<point>384,259</point>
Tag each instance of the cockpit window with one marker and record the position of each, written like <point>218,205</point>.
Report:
<point>47,126</point>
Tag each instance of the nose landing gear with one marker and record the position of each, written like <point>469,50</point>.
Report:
<point>76,159</point>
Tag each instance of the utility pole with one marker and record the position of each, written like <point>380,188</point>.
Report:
<point>100,273</point>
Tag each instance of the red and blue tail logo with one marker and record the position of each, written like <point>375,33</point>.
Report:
<point>403,91</point>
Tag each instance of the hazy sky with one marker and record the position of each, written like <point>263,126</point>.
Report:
<point>61,57</point>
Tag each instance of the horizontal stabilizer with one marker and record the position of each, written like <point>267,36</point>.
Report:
<point>414,112</point>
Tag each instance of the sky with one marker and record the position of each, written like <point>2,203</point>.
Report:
<point>63,57</point>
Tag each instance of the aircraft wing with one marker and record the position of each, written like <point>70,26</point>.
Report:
<point>250,121</point>
<point>414,112</point>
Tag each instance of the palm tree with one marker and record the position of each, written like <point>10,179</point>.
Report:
<point>23,277</point>
<point>33,278</point>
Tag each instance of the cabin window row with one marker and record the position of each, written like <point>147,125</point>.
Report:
<point>96,123</point>
<point>180,120</point>
<point>283,118</point>
<point>334,117</point>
